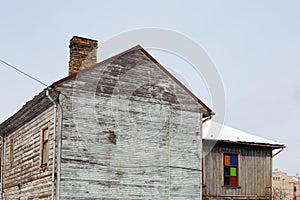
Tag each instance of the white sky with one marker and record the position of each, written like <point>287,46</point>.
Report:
<point>255,46</point>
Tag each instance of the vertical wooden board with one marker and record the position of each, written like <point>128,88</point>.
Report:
<point>254,171</point>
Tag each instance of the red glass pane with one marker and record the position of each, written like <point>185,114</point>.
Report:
<point>233,180</point>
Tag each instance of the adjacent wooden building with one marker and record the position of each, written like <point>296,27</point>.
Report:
<point>124,128</point>
<point>237,165</point>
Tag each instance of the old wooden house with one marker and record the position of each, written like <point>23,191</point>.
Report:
<point>123,128</point>
<point>237,165</point>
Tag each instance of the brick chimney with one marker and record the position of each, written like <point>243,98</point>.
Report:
<point>83,53</point>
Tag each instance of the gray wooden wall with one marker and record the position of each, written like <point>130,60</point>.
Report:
<point>25,179</point>
<point>255,172</point>
<point>129,132</point>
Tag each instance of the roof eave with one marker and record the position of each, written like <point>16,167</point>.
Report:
<point>268,145</point>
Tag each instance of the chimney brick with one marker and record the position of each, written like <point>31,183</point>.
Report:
<point>83,53</point>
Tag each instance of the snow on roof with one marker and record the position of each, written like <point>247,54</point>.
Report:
<point>210,132</point>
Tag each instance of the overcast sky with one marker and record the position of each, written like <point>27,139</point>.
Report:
<point>255,46</point>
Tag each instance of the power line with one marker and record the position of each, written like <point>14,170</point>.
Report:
<point>24,73</point>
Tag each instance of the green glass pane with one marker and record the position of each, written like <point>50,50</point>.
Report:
<point>232,171</point>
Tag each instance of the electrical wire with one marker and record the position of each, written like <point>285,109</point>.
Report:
<point>22,72</point>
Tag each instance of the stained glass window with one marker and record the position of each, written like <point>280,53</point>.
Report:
<point>230,169</point>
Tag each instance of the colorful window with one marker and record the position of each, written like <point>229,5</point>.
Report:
<point>230,169</point>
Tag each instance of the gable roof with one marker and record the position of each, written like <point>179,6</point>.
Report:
<point>138,47</point>
<point>41,102</point>
<point>232,135</point>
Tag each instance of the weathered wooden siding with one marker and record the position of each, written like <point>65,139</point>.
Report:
<point>25,179</point>
<point>255,170</point>
<point>123,144</point>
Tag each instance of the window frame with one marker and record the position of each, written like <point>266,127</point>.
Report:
<point>44,158</point>
<point>237,169</point>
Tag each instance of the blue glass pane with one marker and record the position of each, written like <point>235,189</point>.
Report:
<point>233,160</point>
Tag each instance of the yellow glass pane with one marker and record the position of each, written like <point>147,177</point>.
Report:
<point>227,160</point>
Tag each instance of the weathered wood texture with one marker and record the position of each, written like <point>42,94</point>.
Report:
<point>255,171</point>
<point>30,110</point>
<point>129,132</point>
<point>25,179</point>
